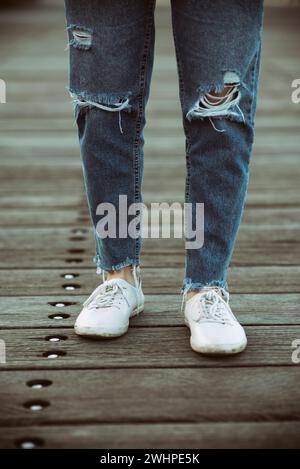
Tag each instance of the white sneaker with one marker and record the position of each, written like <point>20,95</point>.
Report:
<point>214,328</point>
<point>107,311</point>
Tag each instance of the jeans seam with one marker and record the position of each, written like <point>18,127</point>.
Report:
<point>141,110</point>
<point>186,130</point>
<point>113,267</point>
<point>182,99</point>
<point>254,70</point>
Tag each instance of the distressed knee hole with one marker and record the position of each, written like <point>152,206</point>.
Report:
<point>104,102</point>
<point>80,37</point>
<point>214,98</point>
<point>222,102</point>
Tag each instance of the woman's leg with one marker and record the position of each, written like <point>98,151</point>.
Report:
<point>111,55</point>
<point>218,50</point>
<point>111,47</point>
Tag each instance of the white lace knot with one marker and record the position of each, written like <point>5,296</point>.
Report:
<point>105,296</point>
<point>212,306</point>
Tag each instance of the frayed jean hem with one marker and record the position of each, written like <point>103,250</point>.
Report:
<point>111,268</point>
<point>188,285</point>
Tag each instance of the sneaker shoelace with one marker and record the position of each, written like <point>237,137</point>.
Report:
<point>212,306</point>
<point>106,296</point>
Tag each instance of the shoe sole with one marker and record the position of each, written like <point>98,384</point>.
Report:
<point>226,349</point>
<point>104,333</point>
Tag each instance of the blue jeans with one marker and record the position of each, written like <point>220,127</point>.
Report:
<point>218,44</point>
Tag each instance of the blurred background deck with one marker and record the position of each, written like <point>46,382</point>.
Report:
<point>146,389</point>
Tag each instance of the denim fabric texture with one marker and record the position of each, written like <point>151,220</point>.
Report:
<point>217,43</point>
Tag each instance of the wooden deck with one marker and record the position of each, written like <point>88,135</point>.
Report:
<point>147,389</point>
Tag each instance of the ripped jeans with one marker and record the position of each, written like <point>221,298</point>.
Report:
<point>217,46</point>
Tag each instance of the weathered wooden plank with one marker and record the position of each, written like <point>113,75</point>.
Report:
<point>64,157</point>
<point>263,279</point>
<point>71,200</point>
<point>237,435</point>
<point>161,72</point>
<point>158,143</point>
<point>263,244</point>
<point>20,193</point>
<point>37,217</point>
<point>63,237</point>
<point>251,309</point>
<point>55,195</point>
<point>38,117</point>
<point>160,395</point>
<point>266,122</point>
<point>53,88</point>
<point>152,256</point>
<point>13,184</point>
<point>69,179</point>
<point>264,197</point>
<point>141,348</point>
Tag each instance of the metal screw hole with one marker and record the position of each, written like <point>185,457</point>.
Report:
<point>77,238</point>
<point>79,231</point>
<point>74,261</point>
<point>36,406</point>
<point>69,276</point>
<point>59,317</point>
<point>29,443</point>
<point>70,286</point>
<point>39,383</point>
<point>61,304</point>
<point>56,338</point>
<point>52,355</point>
